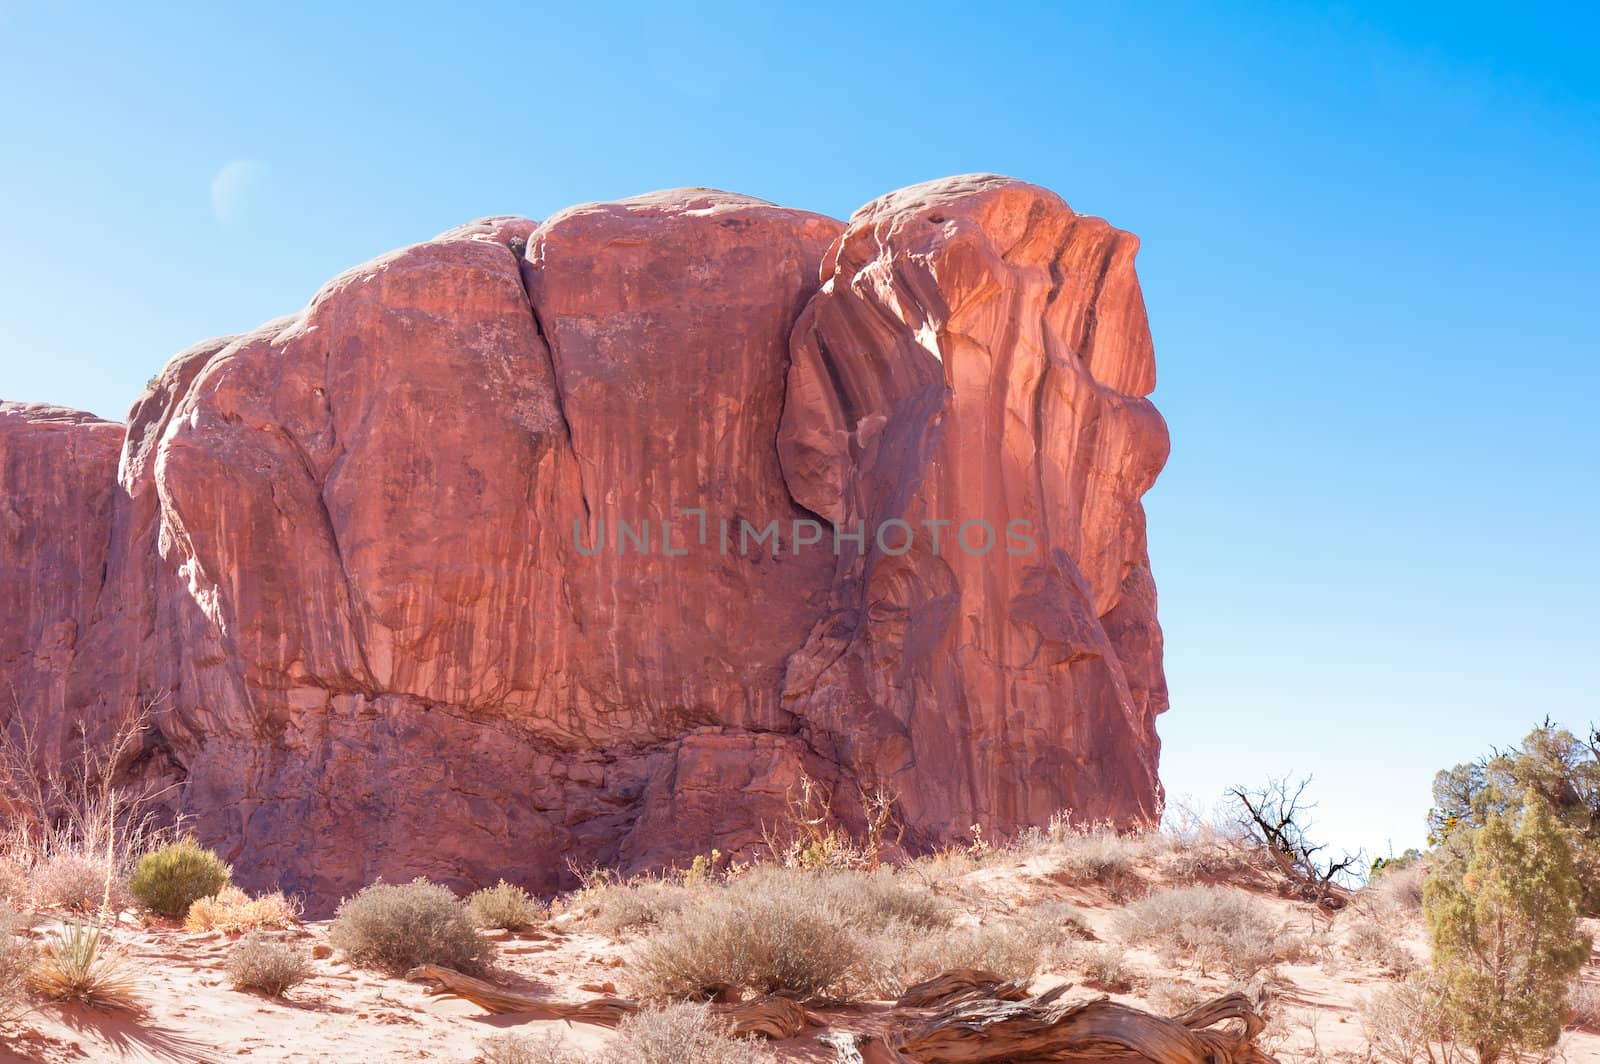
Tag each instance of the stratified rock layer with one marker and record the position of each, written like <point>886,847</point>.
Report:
<point>455,572</point>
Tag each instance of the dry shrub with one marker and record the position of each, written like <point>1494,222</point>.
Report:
<point>233,912</point>
<point>1401,888</point>
<point>682,1034</point>
<point>1194,847</point>
<point>17,957</point>
<point>78,882</point>
<point>78,807</point>
<point>13,880</point>
<point>1174,997</point>
<point>766,933</point>
<point>77,965</point>
<point>1015,949</point>
<point>1103,966</point>
<point>1406,1024</point>
<point>551,1048</point>
<point>394,928</point>
<point>616,906</point>
<point>1585,1003</point>
<point>1090,853</point>
<point>1370,942</point>
<point>170,879</point>
<point>506,907</point>
<point>261,963</point>
<point>1209,926</point>
<point>810,835</point>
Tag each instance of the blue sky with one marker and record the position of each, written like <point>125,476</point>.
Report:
<point>1369,258</point>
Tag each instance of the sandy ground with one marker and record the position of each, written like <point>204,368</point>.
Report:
<point>346,1014</point>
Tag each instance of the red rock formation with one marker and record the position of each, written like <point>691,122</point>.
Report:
<point>384,562</point>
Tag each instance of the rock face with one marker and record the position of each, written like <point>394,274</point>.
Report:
<point>583,541</point>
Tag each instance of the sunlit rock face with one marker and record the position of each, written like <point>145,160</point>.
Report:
<point>582,542</point>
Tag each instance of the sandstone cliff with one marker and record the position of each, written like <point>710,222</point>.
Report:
<point>460,571</point>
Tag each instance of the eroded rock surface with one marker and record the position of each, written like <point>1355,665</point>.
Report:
<point>433,579</point>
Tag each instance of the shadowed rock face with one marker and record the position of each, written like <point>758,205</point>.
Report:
<point>394,568</point>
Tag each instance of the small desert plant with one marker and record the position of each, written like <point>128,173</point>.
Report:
<point>1506,947</point>
<point>169,880</point>
<point>260,963</point>
<point>77,881</point>
<point>395,927</point>
<point>682,1034</point>
<point>1407,1024</point>
<point>1209,925</point>
<point>504,906</point>
<point>232,912</point>
<point>76,966</point>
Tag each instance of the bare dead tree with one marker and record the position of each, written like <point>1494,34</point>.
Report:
<point>80,803</point>
<point>1277,818</point>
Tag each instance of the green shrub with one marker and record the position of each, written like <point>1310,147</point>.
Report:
<point>260,963</point>
<point>396,927</point>
<point>504,906</point>
<point>1506,948</point>
<point>169,880</point>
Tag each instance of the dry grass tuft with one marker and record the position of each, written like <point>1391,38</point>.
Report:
<point>506,907</point>
<point>234,912</point>
<point>1209,926</point>
<point>396,927</point>
<point>272,967</point>
<point>75,965</point>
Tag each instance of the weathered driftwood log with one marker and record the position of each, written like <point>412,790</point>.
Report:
<point>768,1017</point>
<point>962,984</point>
<point>1048,1030</point>
<point>605,1011</point>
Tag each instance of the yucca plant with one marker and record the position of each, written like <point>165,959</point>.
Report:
<point>75,966</point>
